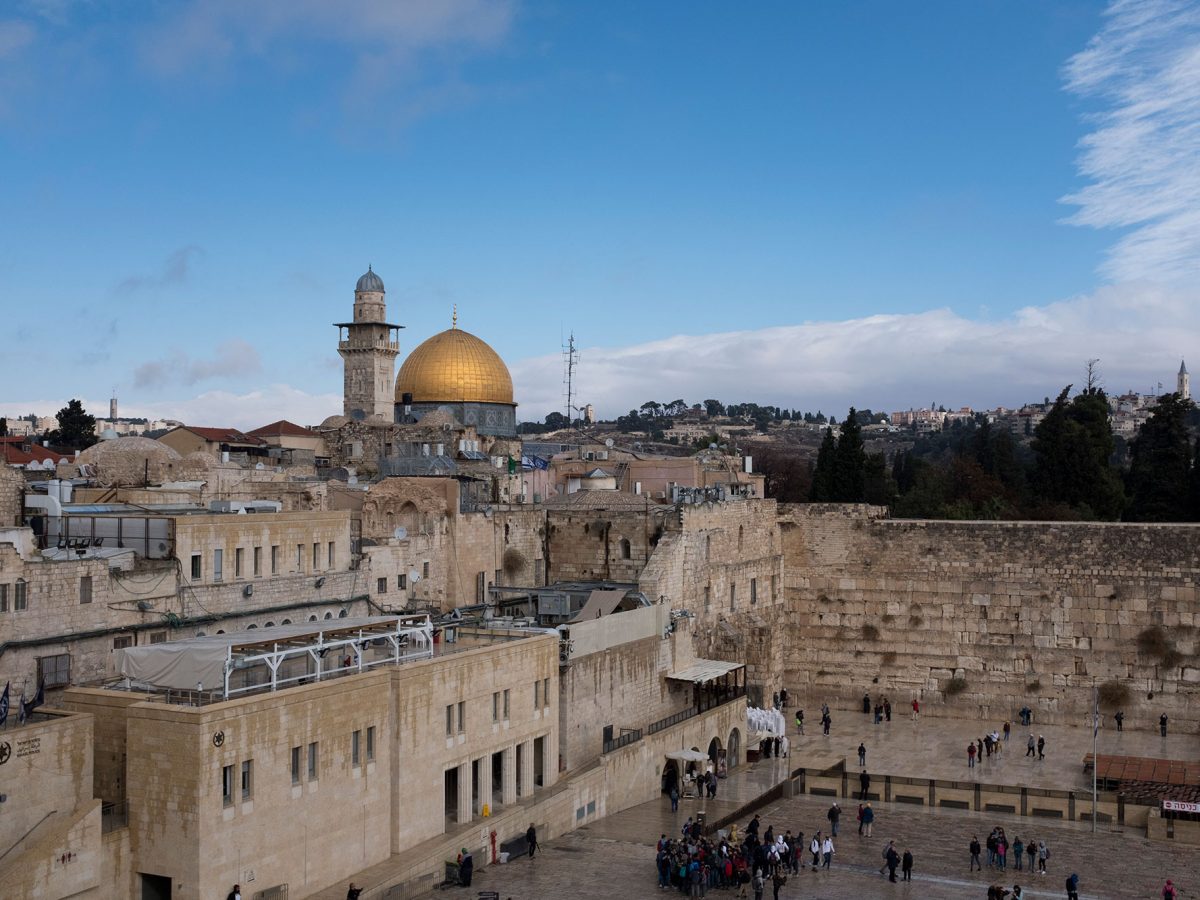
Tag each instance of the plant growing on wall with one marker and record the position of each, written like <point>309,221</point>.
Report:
<point>955,685</point>
<point>1113,695</point>
<point>870,632</point>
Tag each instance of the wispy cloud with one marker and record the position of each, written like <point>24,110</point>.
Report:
<point>15,36</point>
<point>232,359</point>
<point>1142,157</point>
<point>888,362</point>
<point>205,32</point>
<point>175,271</point>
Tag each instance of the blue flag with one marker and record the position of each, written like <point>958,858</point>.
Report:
<point>21,709</point>
<point>4,705</point>
<point>38,699</point>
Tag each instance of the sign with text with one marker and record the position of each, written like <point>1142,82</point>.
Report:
<point>1181,806</point>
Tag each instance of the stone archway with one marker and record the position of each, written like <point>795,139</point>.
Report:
<point>734,755</point>
<point>714,747</point>
<point>670,776</point>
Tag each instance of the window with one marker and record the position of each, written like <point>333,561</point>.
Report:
<point>312,761</point>
<point>626,550</point>
<point>498,576</point>
<point>462,716</point>
<point>316,557</point>
<point>381,585</point>
<point>299,557</point>
<point>3,598</point>
<point>330,559</point>
<point>707,597</point>
<point>506,704</point>
<point>275,560</point>
<point>120,643</point>
<point>257,561</point>
<point>227,785</point>
<point>732,597</point>
<point>54,671</point>
<point>753,591</point>
<point>495,706</point>
<point>539,571</point>
<point>20,598</point>
<point>247,779</point>
<point>401,582</point>
<point>425,569</point>
<point>546,691</point>
<point>449,720</point>
<point>480,584</point>
<point>295,765</point>
<point>238,554</point>
<point>85,589</point>
<point>218,561</point>
<point>158,637</point>
<point>537,695</point>
<point>356,748</point>
<point>370,743</point>
<point>774,587</point>
<point>195,567</point>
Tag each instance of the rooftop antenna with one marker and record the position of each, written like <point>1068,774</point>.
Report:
<point>570,363</point>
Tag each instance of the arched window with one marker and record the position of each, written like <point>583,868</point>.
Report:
<point>741,535</point>
<point>342,614</point>
<point>269,625</point>
<point>251,627</point>
<point>328,616</point>
<point>625,548</point>
<point>312,618</point>
<point>286,622</point>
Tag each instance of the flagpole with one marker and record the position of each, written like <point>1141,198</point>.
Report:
<point>1095,746</point>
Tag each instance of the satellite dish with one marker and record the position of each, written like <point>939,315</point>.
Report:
<point>414,575</point>
<point>259,467</point>
<point>400,533</point>
<point>608,442</point>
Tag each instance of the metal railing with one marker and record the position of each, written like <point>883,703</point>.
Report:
<point>628,736</point>
<point>114,816</point>
<point>682,716</point>
<point>278,892</point>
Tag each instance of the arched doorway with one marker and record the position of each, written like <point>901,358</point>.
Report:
<point>670,776</point>
<point>714,747</point>
<point>734,756</point>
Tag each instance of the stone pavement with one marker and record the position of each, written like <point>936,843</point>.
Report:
<point>936,747</point>
<point>615,857</point>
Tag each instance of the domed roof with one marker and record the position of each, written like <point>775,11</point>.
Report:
<point>454,367</point>
<point>369,282</point>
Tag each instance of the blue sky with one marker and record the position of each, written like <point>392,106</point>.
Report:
<point>809,204</point>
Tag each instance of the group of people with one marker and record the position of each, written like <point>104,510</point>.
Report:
<point>882,708</point>
<point>1000,852</point>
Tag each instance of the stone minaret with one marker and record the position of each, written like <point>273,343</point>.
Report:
<point>368,347</point>
<point>1182,387</point>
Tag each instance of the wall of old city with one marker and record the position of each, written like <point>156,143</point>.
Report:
<point>724,564</point>
<point>1019,612</point>
<point>623,685</point>
<point>12,492</point>
<point>586,544</point>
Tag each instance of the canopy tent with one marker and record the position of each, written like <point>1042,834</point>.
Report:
<point>702,670</point>
<point>205,663</point>
<point>687,755</point>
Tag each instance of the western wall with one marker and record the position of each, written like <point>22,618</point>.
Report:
<point>982,618</point>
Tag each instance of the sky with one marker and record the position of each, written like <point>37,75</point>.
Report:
<point>811,205</point>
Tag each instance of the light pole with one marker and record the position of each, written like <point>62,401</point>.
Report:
<point>1095,745</point>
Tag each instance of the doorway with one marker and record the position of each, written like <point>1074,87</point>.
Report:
<point>155,887</point>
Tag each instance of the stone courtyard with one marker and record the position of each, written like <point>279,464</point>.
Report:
<point>619,850</point>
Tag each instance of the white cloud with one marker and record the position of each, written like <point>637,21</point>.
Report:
<point>1142,159</point>
<point>208,31</point>
<point>15,36</point>
<point>889,362</point>
<point>232,359</point>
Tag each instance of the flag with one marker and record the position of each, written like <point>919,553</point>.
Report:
<point>4,705</point>
<point>21,709</point>
<point>38,699</point>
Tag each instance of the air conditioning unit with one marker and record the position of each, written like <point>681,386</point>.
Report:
<point>248,590</point>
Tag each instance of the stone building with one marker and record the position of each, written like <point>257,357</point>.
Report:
<point>368,345</point>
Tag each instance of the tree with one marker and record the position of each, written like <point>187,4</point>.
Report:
<point>651,408</point>
<point>3,427</point>
<point>1160,467</point>
<point>76,429</point>
<point>555,421</point>
<point>1073,447</point>
<point>850,462</point>
<point>879,488</point>
<point>823,473</point>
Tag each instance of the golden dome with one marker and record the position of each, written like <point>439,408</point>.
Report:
<point>454,367</point>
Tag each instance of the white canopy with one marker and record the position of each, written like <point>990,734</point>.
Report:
<point>182,665</point>
<point>687,755</point>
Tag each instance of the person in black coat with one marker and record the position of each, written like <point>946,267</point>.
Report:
<point>531,839</point>
<point>466,868</point>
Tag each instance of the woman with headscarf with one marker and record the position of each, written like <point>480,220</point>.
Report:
<point>466,867</point>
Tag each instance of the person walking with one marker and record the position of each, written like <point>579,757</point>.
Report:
<point>893,860</point>
<point>1029,745</point>
<point>1041,745</point>
<point>800,721</point>
<point>975,848</point>
<point>783,698</point>
<point>1073,887</point>
<point>531,839</point>
<point>1119,718</point>
<point>235,894</point>
<point>971,751</point>
<point>1007,731</point>
<point>906,864</point>
<point>1043,854</point>
<point>674,798</point>
<point>864,784</point>
<point>1162,724</point>
<point>778,880</point>
<point>1031,852</point>
<point>826,852</point>
<point>1169,892</point>
<point>888,849</point>
<point>815,848</point>
<point>353,892</point>
<point>834,814</point>
<point>887,709</point>
<point>757,884</point>
<point>868,819</point>
<point>826,721</point>
<point>916,708</point>
<point>866,704</point>
<point>862,755</point>
<point>859,818</point>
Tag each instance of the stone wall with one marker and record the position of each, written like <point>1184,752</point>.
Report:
<point>588,544</point>
<point>12,493</point>
<point>1015,612</point>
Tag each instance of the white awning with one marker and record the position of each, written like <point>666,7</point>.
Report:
<point>705,670</point>
<point>687,755</point>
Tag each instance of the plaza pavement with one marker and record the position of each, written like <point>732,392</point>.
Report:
<point>615,856</point>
